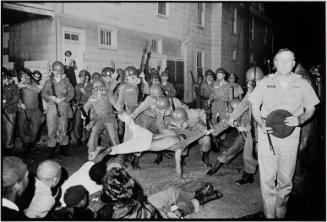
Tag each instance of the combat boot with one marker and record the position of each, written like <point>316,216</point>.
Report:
<point>214,195</point>
<point>159,158</point>
<point>135,162</point>
<point>205,189</point>
<point>215,168</point>
<point>246,178</point>
<point>205,159</point>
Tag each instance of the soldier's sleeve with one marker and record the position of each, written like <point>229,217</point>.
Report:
<point>310,98</point>
<point>179,104</point>
<point>77,91</point>
<point>45,93</point>
<point>172,90</point>
<point>146,88</point>
<point>142,107</point>
<point>113,85</point>
<point>35,88</point>
<point>242,107</point>
<point>256,97</point>
<point>240,90</point>
<point>70,91</point>
<point>15,96</point>
<point>121,98</point>
<point>113,101</point>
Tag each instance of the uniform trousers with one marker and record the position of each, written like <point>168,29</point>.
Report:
<point>8,129</point>
<point>28,128</point>
<point>276,171</point>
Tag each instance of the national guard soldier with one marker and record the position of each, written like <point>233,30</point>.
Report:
<point>29,113</point>
<point>109,77</point>
<point>95,76</point>
<point>83,91</point>
<point>102,102</point>
<point>280,93</point>
<point>10,99</point>
<point>206,88</point>
<point>58,92</point>
<point>167,86</point>
<point>237,89</point>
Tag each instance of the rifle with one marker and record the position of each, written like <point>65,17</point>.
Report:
<point>142,65</point>
<point>53,91</point>
<point>87,120</point>
<point>209,127</point>
<point>113,66</point>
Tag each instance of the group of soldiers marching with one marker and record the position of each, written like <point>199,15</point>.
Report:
<point>90,109</point>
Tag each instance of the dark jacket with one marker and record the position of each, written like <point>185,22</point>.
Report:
<point>10,214</point>
<point>10,97</point>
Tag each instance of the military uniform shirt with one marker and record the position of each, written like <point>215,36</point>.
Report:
<point>297,95</point>
<point>128,95</point>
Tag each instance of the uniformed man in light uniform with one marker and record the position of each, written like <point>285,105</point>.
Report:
<point>281,90</point>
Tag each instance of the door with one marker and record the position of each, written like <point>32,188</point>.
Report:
<point>176,69</point>
<point>74,41</point>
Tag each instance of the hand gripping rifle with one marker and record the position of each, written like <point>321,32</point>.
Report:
<point>53,91</point>
<point>79,106</point>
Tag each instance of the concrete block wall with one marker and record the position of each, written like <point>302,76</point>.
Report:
<point>33,40</point>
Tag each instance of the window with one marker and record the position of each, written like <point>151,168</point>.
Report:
<point>162,8</point>
<point>156,46</point>
<point>251,29</point>
<point>199,62</point>
<point>234,54</point>
<point>107,37</point>
<point>71,36</point>
<point>200,17</point>
<point>266,35</point>
<point>235,21</point>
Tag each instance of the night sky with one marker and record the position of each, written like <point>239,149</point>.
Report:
<point>301,27</point>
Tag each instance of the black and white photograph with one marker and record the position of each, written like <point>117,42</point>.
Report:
<point>163,110</point>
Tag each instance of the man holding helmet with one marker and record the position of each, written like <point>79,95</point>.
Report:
<point>280,93</point>
<point>58,92</point>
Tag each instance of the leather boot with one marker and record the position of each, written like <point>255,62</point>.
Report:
<point>214,195</point>
<point>205,159</point>
<point>64,150</point>
<point>205,189</point>
<point>246,178</point>
<point>215,168</point>
<point>135,162</point>
<point>159,158</point>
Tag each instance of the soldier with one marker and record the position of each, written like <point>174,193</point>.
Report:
<point>241,119</point>
<point>102,102</point>
<point>277,155</point>
<point>237,89</point>
<point>29,113</point>
<point>220,97</point>
<point>95,76</point>
<point>83,91</point>
<point>206,88</point>
<point>155,79</point>
<point>58,92</point>
<point>10,99</point>
<point>197,89</point>
<point>167,86</point>
<point>109,76</point>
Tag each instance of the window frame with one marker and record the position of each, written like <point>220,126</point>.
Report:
<point>202,16</point>
<point>159,46</point>
<point>234,26</point>
<point>167,10</point>
<point>202,61</point>
<point>114,37</point>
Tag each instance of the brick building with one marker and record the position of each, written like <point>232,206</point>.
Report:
<point>185,36</point>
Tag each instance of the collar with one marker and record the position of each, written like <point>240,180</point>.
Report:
<point>9,204</point>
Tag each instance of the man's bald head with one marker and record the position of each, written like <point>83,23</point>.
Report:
<point>49,171</point>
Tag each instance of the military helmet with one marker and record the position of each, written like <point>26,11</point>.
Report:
<point>180,115</point>
<point>156,90</point>
<point>96,75</point>
<point>84,73</point>
<point>154,75</point>
<point>221,70</point>
<point>254,74</point>
<point>209,72</point>
<point>131,70</point>
<point>234,102</point>
<point>231,76</point>
<point>163,103</point>
<point>37,75</point>
<point>57,65</point>
<point>107,71</point>
<point>98,83</point>
<point>165,73</point>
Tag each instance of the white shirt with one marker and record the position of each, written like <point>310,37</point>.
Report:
<point>9,204</point>
<point>80,177</point>
<point>42,201</point>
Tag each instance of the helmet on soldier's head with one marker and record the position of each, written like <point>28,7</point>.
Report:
<point>234,102</point>
<point>154,75</point>
<point>156,90</point>
<point>131,71</point>
<point>163,103</point>
<point>221,70</point>
<point>96,75</point>
<point>209,72</point>
<point>84,73</point>
<point>107,71</point>
<point>98,83</point>
<point>58,66</point>
<point>254,74</point>
<point>37,75</point>
<point>165,73</point>
<point>180,115</point>
<point>120,72</point>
